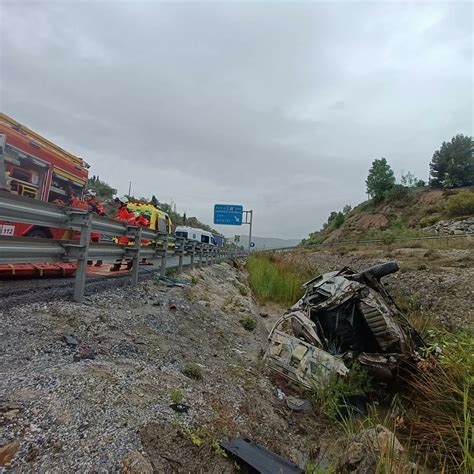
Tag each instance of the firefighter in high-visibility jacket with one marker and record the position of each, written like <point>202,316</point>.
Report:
<point>143,220</point>
<point>124,215</point>
<point>94,206</point>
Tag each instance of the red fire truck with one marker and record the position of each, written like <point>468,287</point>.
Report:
<point>37,168</point>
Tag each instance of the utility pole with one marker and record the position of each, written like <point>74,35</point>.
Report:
<point>250,229</point>
<point>129,188</point>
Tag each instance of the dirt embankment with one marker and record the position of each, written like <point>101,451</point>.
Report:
<point>111,411</point>
<point>436,282</point>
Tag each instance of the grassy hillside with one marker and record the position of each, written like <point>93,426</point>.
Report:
<point>404,213</point>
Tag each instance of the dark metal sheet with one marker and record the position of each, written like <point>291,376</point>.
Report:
<point>258,458</point>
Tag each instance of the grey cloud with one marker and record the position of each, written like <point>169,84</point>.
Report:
<point>281,106</point>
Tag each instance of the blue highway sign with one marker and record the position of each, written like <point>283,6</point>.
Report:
<point>228,214</point>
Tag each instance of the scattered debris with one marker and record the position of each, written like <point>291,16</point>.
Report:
<point>180,407</point>
<point>170,281</point>
<point>343,316</point>
<point>297,404</point>
<point>86,352</point>
<point>173,306</point>
<point>259,458</point>
<point>71,340</point>
<point>280,394</point>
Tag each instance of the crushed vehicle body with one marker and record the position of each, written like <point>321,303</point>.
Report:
<point>343,316</point>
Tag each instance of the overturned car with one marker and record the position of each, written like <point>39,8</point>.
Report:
<point>343,316</point>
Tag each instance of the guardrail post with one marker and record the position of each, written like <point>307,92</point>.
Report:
<point>201,250</point>
<point>136,255</point>
<point>163,257</point>
<point>181,254</point>
<point>193,252</point>
<point>207,254</point>
<point>80,280</point>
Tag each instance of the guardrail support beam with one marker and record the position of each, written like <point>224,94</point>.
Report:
<point>193,252</point>
<point>163,257</point>
<point>136,256</point>
<point>80,280</point>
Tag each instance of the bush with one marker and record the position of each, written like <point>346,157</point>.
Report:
<point>248,322</point>
<point>193,371</point>
<point>461,204</point>
<point>330,396</point>
<point>397,193</point>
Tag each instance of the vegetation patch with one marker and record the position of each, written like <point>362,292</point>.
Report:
<point>193,371</point>
<point>277,277</point>
<point>248,322</point>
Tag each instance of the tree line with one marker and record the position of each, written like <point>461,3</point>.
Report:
<point>451,166</point>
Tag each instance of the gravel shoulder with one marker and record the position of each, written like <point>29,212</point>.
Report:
<point>113,411</point>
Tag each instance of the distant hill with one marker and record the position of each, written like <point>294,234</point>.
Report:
<point>407,213</point>
<point>266,243</point>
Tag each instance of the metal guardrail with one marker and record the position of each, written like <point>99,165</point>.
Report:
<point>23,249</point>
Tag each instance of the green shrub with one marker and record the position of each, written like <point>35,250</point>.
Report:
<point>193,371</point>
<point>176,396</point>
<point>248,322</point>
<point>329,396</point>
<point>397,193</point>
<point>461,204</point>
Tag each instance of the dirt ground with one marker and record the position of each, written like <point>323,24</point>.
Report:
<point>112,413</point>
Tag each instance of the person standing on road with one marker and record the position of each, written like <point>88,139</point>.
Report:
<point>124,215</point>
<point>94,206</point>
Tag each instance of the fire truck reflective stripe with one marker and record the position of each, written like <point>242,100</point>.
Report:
<point>66,175</point>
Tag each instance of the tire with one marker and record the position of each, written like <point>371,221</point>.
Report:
<point>39,234</point>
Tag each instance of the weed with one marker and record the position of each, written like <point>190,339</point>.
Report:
<point>317,469</point>
<point>329,397</point>
<point>176,396</point>
<point>193,371</point>
<point>248,322</point>
<point>194,280</point>
<point>194,436</point>
<point>243,291</point>
<point>217,448</point>
<point>276,277</point>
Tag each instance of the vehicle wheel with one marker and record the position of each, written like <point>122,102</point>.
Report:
<point>39,234</point>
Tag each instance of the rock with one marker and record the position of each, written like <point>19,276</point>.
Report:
<point>71,341</point>
<point>298,404</point>
<point>135,463</point>
<point>367,449</point>
<point>7,452</point>
<point>11,414</point>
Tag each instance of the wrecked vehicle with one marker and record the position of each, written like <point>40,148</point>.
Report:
<point>343,316</point>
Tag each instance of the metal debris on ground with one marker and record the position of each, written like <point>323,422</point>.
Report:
<point>297,404</point>
<point>343,316</point>
<point>71,340</point>
<point>86,352</point>
<point>180,407</point>
<point>280,394</point>
<point>258,458</point>
<point>170,281</point>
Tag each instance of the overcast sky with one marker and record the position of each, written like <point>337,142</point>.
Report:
<point>280,107</point>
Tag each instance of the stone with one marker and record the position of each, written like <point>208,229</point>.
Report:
<point>7,452</point>
<point>367,448</point>
<point>11,414</point>
<point>135,463</point>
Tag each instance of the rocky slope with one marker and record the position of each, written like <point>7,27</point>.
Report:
<point>88,387</point>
